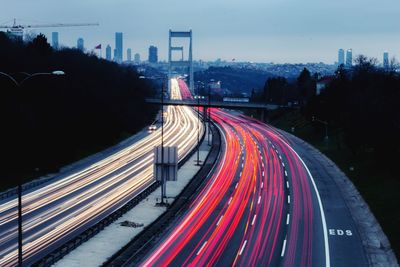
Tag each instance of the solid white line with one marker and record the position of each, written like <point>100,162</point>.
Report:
<point>259,200</point>
<point>220,218</point>
<point>287,218</point>
<point>287,184</point>
<point>254,218</point>
<point>241,250</point>
<point>283,248</point>
<point>288,199</point>
<point>198,252</point>
<point>327,256</point>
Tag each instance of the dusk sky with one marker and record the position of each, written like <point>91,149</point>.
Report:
<point>253,30</point>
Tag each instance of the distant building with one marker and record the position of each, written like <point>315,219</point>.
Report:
<point>349,58</point>
<point>341,57</point>
<point>54,40</point>
<point>108,52</point>
<point>115,55</point>
<point>129,54</point>
<point>118,46</point>
<point>153,54</point>
<point>80,44</point>
<point>137,58</point>
<point>386,60</point>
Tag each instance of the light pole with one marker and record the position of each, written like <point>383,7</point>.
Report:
<point>19,187</point>
<point>209,115</point>
<point>163,182</point>
<point>326,126</point>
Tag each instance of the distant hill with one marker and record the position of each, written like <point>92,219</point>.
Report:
<point>235,80</point>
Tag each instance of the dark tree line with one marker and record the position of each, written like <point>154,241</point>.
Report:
<point>364,103</point>
<point>52,120</point>
<point>279,90</point>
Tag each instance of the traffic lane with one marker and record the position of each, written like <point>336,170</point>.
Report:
<point>306,240</point>
<point>344,239</point>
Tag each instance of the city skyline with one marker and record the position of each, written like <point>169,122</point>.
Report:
<point>259,31</point>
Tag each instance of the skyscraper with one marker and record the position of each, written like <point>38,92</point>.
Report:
<point>108,52</point>
<point>386,60</point>
<point>153,57</point>
<point>341,57</point>
<point>349,58</point>
<point>54,40</point>
<point>118,46</point>
<point>80,44</point>
<point>129,54</point>
<point>137,58</point>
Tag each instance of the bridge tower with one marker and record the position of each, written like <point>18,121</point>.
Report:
<point>180,63</point>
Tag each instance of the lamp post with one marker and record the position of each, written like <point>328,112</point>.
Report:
<point>163,182</point>
<point>209,115</point>
<point>19,187</point>
<point>326,126</point>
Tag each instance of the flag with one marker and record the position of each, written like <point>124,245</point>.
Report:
<point>97,46</point>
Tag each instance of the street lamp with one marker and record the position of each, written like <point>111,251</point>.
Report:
<point>326,126</point>
<point>19,187</point>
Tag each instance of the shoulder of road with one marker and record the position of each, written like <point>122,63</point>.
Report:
<point>333,184</point>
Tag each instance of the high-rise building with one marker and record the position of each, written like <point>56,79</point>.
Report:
<point>108,52</point>
<point>118,46</point>
<point>153,56</point>
<point>137,58</point>
<point>129,54</point>
<point>80,44</point>
<point>349,58</point>
<point>386,60</point>
<point>54,40</point>
<point>341,57</point>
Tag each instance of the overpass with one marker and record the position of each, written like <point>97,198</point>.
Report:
<point>212,104</point>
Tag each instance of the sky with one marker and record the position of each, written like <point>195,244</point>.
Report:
<point>279,31</point>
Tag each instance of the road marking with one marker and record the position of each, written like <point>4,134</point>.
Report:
<point>262,164</point>
<point>198,252</point>
<point>259,199</point>
<point>242,165</point>
<point>254,218</point>
<point>285,173</point>
<point>280,157</point>
<point>241,250</point>
<point>236,185</point>
<point>262,173</point>
<point>240,174</point>
<point>230,201</point>
<point>283,164</point>
<point>262,184</point>
<point>220,218</point>
<point>283,248</point>
<point>321,208</point>
<point>287,184</point>
<point>287,218</point>
<point>288,199</point>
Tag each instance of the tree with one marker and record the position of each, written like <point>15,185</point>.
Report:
<point>306,85</point>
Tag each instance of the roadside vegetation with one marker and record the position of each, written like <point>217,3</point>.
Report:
<point>53,120</point>
<point>361,109</point>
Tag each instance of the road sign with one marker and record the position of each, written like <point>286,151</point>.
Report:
<point>166,167</point>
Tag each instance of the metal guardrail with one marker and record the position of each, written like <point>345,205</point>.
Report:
<point>75,242</point>
<point>144,241</point>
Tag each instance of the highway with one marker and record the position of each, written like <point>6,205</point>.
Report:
<point>260,207</point>
<point>55,213</point>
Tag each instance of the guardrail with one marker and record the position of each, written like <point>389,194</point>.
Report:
<point>143,242</point>
<point>72,244</point>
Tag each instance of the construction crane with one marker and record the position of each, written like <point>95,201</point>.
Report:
<point>17,30</point>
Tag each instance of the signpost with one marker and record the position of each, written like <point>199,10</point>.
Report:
<point>165,167</point>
